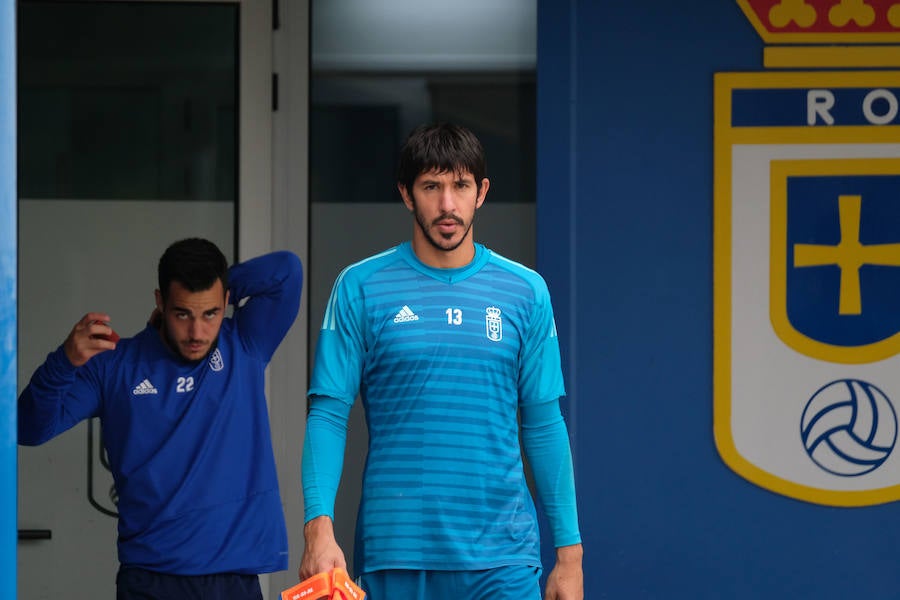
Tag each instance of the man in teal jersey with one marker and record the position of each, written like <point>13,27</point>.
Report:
<point>446,343</point>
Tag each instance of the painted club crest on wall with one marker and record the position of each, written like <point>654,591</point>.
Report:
<point>807,253</point>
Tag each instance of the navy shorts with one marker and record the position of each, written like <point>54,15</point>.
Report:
<point>133,583</point>
<point>501,583</point>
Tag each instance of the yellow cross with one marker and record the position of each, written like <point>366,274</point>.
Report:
<point>849,255</point>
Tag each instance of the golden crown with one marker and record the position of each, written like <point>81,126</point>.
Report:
<point>802,24</point>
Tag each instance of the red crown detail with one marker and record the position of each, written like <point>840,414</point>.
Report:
<point>824,21</point>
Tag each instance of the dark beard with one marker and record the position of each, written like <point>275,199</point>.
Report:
<point>173,346</point>
<point>431,240</point>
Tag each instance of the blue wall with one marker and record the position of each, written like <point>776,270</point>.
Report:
<point>625,240</point>
<point>7,299</point>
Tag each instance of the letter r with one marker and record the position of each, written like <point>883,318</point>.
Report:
<point>819,102</point>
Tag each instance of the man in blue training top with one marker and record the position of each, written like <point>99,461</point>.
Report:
<point>185,423</point>
<point>447,343</point>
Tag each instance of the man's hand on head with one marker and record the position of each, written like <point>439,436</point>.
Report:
<point>90,336</point>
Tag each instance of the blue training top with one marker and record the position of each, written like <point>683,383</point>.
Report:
<point>443,360</point>
<point>188,442</point>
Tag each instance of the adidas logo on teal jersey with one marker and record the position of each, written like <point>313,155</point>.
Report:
<point>405,315</point>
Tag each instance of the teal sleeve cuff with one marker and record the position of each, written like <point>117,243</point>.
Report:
<point>323,455</point>
<point>546,442</point>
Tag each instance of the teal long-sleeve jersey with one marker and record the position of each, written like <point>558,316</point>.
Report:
<point>443,360</point>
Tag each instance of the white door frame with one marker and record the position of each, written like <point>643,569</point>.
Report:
<point>288,227</point>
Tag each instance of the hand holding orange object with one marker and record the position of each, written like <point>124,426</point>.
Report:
<point>330,585</point>
<point>344,588</point>
<point>317,586</point>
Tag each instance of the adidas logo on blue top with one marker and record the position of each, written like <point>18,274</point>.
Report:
<point>144,387</point>
<point>405,315</point>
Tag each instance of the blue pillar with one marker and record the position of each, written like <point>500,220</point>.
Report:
<point>556,202</point>
<point>8,488</point>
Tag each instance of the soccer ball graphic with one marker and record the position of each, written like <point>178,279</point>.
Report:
<point>849,427</point>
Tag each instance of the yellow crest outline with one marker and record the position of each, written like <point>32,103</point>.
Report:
<point>725,138</point>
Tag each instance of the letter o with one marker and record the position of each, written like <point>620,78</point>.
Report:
<point>887,117</point>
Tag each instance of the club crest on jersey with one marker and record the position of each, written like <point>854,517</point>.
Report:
<point>493,324</point>
<point>215,361</point>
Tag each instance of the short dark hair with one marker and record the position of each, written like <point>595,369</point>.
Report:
<point>442,147</point>
<point>195,263</point>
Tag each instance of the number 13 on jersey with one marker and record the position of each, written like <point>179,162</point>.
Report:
<point>454,316</point>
